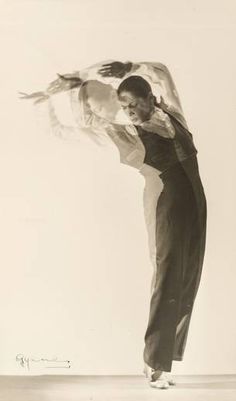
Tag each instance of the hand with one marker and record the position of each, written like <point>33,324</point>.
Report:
<point>38,96</point>
<point>115,69</point>
<point>63,83</point>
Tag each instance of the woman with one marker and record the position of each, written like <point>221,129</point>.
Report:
<point>180,220</point>
<point>157,142</point>
<point>180,223</point>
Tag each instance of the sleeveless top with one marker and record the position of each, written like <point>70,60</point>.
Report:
<point>161,152</point>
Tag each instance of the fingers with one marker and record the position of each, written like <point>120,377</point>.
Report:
<point>41,99</point>
<point>31,95</point>
<point>69,77</point>
<point>54,86</point>
<point>105,70</point>
<point>38,97</point>
<point>106,74</point>
<point>64,83</point>
<point>115,69</point>
<point>107,65</point>
<point>23,96</point>
<point>54,83</point>
<point>62,77</point>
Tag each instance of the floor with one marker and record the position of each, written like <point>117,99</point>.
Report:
<point>115,388</point>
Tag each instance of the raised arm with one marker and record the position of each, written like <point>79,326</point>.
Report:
<point>69,81</point>
<point>158,74</point>
<point>61,130</point>
<point>130,148</point>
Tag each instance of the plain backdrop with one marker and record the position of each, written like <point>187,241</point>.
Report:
<point>75,268</point>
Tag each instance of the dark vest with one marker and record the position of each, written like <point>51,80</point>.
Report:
<point>162,153</point>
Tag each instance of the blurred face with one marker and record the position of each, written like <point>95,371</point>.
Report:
<point>105,106</point>
<point>138,109</point>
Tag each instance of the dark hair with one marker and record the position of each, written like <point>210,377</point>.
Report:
<point>136,85</point>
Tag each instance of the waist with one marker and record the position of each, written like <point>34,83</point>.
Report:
<point>182,170</point>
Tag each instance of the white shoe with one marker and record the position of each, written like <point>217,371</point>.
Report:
<point>169,378</point>
<point>159,383</point>
<point>148,372</point>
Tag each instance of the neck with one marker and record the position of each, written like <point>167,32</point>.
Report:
<point>152,111</point>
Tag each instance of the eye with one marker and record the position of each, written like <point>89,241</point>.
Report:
<point>133,104</point>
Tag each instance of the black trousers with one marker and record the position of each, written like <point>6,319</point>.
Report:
<point>180,246</point>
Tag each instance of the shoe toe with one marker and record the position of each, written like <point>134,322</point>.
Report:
<point>161,384</point>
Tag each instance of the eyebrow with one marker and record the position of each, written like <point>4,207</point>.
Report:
<point>126,98</point>
<point>129,101</point>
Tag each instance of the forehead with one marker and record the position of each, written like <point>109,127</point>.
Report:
<point>92,100</point>
<point>127,97</point>
<point>95,101</point>
<point>99,94</point>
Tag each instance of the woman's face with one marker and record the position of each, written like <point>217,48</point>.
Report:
<point>105,106</point>
<point>136,108</point>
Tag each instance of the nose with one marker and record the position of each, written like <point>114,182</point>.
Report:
<point>130,112</point>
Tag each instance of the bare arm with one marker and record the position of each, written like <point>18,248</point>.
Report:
<point>158,74</point>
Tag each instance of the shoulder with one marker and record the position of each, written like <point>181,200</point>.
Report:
<point>174,112</point>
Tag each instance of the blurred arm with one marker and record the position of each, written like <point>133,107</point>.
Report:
<point>60,130</point>
<point>130,147</point>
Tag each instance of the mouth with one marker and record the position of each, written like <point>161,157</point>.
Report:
<point>134,118</point>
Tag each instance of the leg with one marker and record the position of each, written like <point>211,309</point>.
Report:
<point>160,334</point>
<point>180,245</point>
<point>191,279</point>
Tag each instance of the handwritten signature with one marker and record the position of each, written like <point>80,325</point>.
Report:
<point>25,361</point>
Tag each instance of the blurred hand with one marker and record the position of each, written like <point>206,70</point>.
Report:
<point>63,83</point>
<point>115,69</point>
<point>38,97</point>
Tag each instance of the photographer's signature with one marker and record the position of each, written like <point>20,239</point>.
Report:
<point>25,361</point>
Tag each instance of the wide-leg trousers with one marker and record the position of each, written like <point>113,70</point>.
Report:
<point>180,245</point>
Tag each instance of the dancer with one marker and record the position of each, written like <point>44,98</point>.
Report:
<point>180,223</point>
<point>156,139</point>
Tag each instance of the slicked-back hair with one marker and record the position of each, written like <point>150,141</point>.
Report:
<point>135,84</point>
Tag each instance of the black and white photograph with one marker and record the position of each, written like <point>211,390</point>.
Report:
<point>117,200</point>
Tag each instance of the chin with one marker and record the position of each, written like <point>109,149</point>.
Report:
<point>136,120</point>
<point>146,118</point>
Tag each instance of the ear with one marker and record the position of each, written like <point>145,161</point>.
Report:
<point>151,98</point>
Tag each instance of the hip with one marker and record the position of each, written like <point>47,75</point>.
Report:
<point>182,188</point>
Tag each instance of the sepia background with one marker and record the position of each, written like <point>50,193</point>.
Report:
<point>75,268</point>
